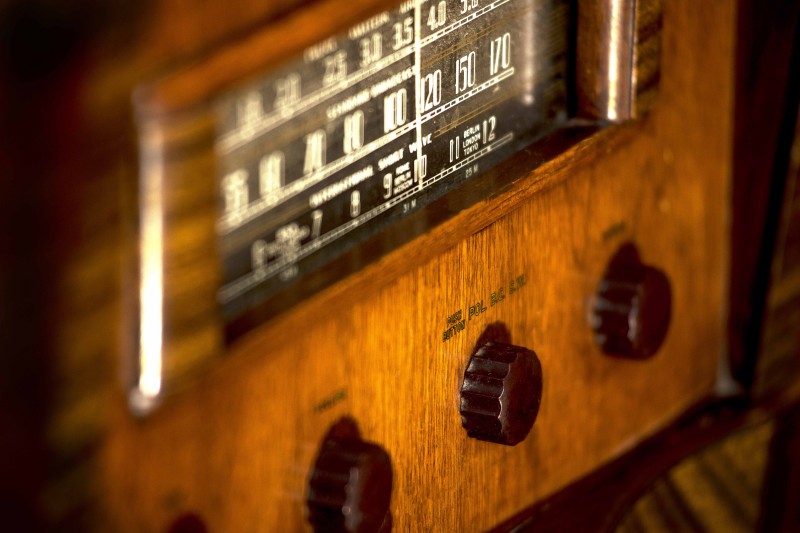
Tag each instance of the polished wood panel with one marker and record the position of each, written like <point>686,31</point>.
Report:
<point>236,444</point>
<point>176,118</point>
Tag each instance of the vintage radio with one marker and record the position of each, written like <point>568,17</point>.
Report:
<point>438,265</point>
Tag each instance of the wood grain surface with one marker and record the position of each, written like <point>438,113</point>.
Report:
<point>235,445</point>
<point>176,118</point>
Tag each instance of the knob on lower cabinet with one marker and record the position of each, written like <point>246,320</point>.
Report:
<point>501,393</point>
<point>631,310</point>
<point>350,484</point>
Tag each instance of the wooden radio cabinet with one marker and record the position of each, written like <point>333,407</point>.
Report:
<point>621,257</point>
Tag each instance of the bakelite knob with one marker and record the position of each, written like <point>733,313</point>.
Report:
<point>501,393</point>
<point>350,486</point>
<point>631,310</point>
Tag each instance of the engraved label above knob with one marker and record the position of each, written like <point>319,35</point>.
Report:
<point>630,313</point>
<point>350,484</point>
<point>501,393</point>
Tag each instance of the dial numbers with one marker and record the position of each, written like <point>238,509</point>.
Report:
<point>372,125</point>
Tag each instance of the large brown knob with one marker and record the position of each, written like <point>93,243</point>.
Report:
<point>501,393</point>
<point>350,485</point>
<point>631,310</point>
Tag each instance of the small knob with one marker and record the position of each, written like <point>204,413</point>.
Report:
<point>350,485</point>
<point>631,310</point>
<point>501,393</point>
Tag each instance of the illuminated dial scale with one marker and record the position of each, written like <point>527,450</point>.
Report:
<point>369,127</point>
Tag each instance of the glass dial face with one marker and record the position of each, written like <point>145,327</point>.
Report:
<point>321,160</point>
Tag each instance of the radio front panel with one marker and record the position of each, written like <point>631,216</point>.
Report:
<point>264,180</point>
